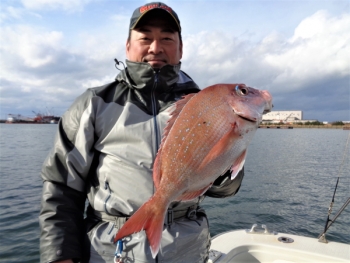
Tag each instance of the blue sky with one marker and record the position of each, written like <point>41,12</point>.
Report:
<point>52,50</point>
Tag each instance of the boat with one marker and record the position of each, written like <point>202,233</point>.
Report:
<point>38,119</point>
<point>260,245</point>
<point>18,118</point>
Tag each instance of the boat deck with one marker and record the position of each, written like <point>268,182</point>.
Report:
<point>242,246</point>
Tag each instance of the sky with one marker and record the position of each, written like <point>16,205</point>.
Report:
<point>51,51</point>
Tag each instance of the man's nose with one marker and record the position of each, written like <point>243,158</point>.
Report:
<point>155,47</point>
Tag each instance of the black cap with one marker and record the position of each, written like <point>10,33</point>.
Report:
<point>141,11</point>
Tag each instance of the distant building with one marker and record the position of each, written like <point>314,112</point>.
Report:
<point>283,116</point>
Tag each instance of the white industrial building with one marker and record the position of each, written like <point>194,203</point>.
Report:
<point>283,116</point>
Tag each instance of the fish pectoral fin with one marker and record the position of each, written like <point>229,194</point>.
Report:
<point>157,175</point>
<point>223,145</point>
<point>193,195</point>
<point>238,164</point>
<point>175,113</point>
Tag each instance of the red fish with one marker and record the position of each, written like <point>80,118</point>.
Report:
<point>207,135</point>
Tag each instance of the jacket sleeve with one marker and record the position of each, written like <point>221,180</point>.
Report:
<point>64,173</point>
<point>224,186</point>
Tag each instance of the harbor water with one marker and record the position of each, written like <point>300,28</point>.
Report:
<point>290,175</point>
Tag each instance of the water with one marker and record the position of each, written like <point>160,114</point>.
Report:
<point>289,183</point>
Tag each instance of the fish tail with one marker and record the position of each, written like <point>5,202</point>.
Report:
<point>149,217</point>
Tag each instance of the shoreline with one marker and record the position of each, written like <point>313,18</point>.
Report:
<point>291,126</point>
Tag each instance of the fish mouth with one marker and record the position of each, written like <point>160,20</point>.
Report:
<point>246,118</point>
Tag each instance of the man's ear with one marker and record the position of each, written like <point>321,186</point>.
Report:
<point>180,48</point>
<point>127,47</point>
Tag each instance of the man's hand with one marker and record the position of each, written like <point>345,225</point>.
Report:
<point>65,261</point>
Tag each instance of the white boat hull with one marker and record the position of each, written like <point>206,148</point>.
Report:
<point>242,246</point>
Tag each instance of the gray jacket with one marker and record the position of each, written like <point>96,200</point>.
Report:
<point>104,151</point>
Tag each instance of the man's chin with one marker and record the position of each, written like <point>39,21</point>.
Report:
<point>156,65</point>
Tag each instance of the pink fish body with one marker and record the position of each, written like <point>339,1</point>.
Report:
<point>207,135</point>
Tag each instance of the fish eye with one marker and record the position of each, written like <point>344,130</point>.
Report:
<point>242,91</point>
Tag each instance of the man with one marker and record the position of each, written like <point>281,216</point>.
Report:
<point>104,151</point>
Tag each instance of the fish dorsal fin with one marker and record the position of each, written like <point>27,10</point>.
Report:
<point>175,113</point>
<point>178,106</point>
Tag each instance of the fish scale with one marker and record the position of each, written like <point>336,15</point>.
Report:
<point>207,134</point>
<point>197,149</point>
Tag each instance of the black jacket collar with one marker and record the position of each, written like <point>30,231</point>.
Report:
<point>142,76</point>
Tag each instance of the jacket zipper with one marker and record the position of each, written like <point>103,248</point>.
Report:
<point>155,124</point>
<point>154,111</point>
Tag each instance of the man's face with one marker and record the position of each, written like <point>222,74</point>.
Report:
<point>154,42</point>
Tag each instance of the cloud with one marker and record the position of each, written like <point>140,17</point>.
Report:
<point>70,6</point>
<point>300,57</point>
<point>39,68</point>
<point>11,13</point>
<point>25,46</point>
<point>319,48</point>
<point>308,70</point>
<point>312,63</point>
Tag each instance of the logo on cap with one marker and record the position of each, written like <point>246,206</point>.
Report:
<point>148,7</point>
